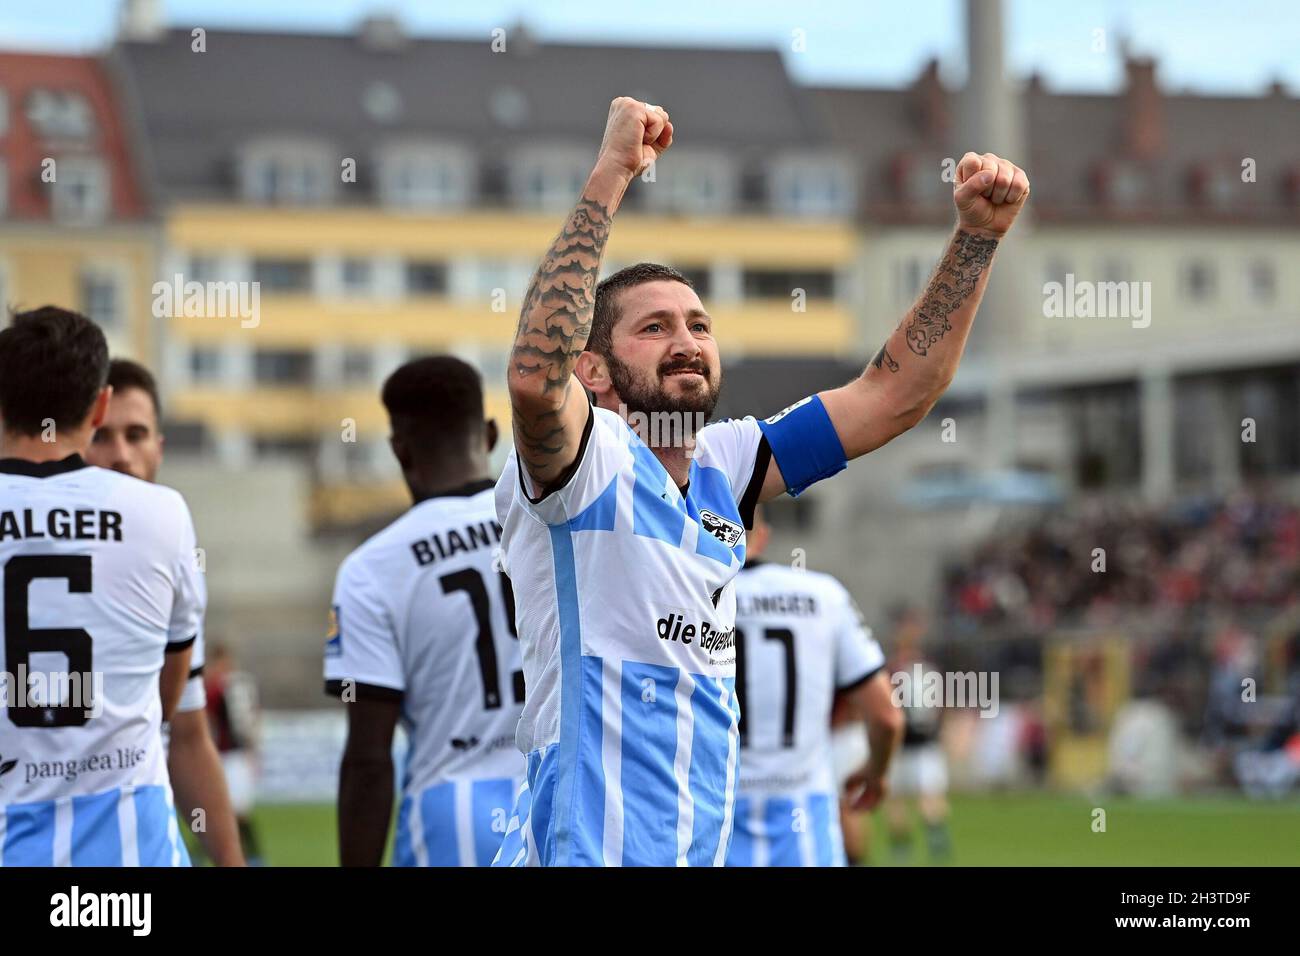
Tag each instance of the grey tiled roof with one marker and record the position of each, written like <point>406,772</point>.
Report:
<point>197,108</point>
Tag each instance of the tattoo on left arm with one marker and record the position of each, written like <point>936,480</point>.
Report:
<point>884,358</point>
<point>959,272</point>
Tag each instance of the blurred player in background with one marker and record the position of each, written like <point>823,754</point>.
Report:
<point>800,640</point>
<point>232,719</point>
<point>130,441</point>
<point>622,546</point>
<point>99,574</point>
<point>424,632</point>
<point>920,774</point>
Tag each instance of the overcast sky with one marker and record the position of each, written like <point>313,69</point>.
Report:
<point>1213,47</point>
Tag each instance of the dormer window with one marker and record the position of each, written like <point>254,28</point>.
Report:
<point>288,174</point>
<point>418,176</point>
<point>813,186</point>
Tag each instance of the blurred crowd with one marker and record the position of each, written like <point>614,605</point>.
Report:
<point>1206,593</point>
<point>1106,562</point>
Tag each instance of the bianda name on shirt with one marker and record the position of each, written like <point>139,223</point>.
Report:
<point>627,629</point>
<point>101,580</point>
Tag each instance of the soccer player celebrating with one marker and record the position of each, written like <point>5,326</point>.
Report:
<point>130,441</point>
<point>423,631</point>
<point>621,546</point>
<point>99,570</point>
<point>800,640</point>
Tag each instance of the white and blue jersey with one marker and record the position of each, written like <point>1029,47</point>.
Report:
<point>100,581</point>
<point>626,625</point>
<point>800,639</point>
<point>423,615</point>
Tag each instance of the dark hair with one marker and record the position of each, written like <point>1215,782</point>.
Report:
<point>605,313</point>
<point>435,404</point>
<point>53,363</point>
<point>124,374</point>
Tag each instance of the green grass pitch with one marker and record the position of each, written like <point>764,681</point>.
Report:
<point>1015,829</point>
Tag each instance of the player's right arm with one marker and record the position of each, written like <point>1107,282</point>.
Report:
<point>363,668</point>
<point>548,404</point>
<point>871,702</point>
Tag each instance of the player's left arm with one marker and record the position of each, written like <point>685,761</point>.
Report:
<point>199,783</point>
<point>175,674</point>
<point>918,361</point>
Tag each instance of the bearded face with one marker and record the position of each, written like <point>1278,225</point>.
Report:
<point>664,357</point>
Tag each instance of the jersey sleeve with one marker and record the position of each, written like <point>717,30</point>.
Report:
<point>194,696</point>
<point>361,653</point>
<point>602,453</point>
<point>190,595</point>
<point>857,655</point>
<point>739,449</point>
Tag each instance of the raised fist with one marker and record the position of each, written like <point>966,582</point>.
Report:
<point>989,193</point>
<point>636,134</point>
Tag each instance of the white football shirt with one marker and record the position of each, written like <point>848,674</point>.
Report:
<point>99,581</point>
<point>422,614</point>
<point>800,640</point>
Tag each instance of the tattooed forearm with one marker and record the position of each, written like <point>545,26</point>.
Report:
<point>883,358</point>
<point>965,260</point>
<point>556,316</point>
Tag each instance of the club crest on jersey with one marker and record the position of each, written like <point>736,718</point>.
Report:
<point>333,640</point>
<point>728,532</point>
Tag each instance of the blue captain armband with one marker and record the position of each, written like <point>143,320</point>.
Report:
<point>804,444</point>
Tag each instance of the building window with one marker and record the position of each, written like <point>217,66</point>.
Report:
<point>4,188</point>
<point>693,184</point>
<point>781,283</point>
<point>1262,280</point>
<point>205,365</point>
<point>57,114</point>
<point>79,193</point>
<point>426,278</point>
<point>358,276</point>
<point>1116,269</point>
<point>101,298</point>
<point>699,277</point>
<point>4,112</point>
<point>203,269</point>
<point>1124,184</point>
<point>289,175</point>
<point>282,367</point>
<point>425,177</point>
<point>358,366</point>
<point>282,275</point>
<point>299,450</point>
<point>1198,281</point>
<point>550,179</point>
<point>811,187</point>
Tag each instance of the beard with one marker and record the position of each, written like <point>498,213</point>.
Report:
<point>637,396</point>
